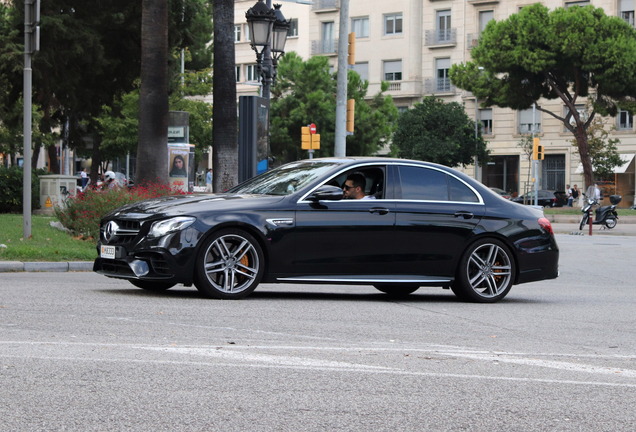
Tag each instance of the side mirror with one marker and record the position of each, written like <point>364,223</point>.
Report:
<point>326,192</point>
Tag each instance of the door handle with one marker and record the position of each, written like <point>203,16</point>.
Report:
<point>464,214</point>
<point>379,210</point>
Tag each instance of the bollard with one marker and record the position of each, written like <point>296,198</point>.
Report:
<point>589,219</point>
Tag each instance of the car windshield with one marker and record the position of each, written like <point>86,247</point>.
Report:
<point>286,179</point>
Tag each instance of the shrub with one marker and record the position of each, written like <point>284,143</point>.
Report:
<point>82,213</point>
<point>11,189</point>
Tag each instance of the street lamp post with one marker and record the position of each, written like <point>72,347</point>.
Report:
<point>268,30</point>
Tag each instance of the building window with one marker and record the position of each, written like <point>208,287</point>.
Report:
<point>485,117</point>
<point>363,70</point>
<point>583,115</point>
<point>627,11</point>
<point>237,71</point>
<point>328,38</point>
<point>402,109</point>
<point>293,28</point>
<point>251,74</point>
<point>246,32</point>
<point>360,26</point>
<point>237,32</point>
<point>525,121</point>
<point>393,24</point>
<point>443,83</point>
<point>443,26</point>
<point>484,18</point>
<point>577,3</point>
<point>625,120</point>
<point>393,70</point>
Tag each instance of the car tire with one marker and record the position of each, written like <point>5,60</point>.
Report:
<point>230,265</point>
<point>485,273</point>
<point>397,290</point>
<point>151,285</point>
<point>583,222</point>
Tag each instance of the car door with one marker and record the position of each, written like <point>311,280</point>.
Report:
<point>346,237</point>
<point>436,213</point>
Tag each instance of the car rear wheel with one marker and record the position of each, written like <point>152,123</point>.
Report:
<point>230,265</point>
<point>485,273</point>
<point>397,289</point>
<point>151,285</point>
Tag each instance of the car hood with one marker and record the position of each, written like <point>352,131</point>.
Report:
<point>191,205</point>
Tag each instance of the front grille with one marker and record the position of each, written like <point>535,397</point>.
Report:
<point>158,263</point>
<point>126,232</point>
<point>117,267</point>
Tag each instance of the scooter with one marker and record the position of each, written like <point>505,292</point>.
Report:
<point>605,215</point>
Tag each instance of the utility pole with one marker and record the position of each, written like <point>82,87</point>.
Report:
<point>340,146</point>
<point>31,44</point>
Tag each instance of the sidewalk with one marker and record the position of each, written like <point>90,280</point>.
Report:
<point>73,266</point>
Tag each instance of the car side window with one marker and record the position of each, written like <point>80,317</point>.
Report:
<point>423,184</point>
<point>460,192</point>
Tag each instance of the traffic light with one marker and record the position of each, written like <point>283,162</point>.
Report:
<point>315,142</point>
<point>537,150</point>
<point>352,49</point>
<point>351,107</point>
<point>306,138</point>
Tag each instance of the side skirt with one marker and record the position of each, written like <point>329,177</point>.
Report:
<point>368,279</point>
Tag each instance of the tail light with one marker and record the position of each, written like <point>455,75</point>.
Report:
<point>546,225</point>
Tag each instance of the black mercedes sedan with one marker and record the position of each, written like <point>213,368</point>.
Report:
<point>411,224</point>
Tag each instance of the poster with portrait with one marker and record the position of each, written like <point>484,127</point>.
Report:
<point>178,166</point>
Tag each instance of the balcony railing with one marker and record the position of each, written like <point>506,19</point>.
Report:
<point>395,86</point>
<point>440,37</point>
<point>325,4</point>
<point>324,47</point>
<point>438,85</point>
<point>526,128</point>
<point>472,40</point>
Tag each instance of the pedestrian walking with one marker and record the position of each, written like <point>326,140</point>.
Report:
<point>208,181</point>
<point>84,178</point>
<point>570,196</point>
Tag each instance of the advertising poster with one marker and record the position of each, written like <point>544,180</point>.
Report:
<point>178,167</point>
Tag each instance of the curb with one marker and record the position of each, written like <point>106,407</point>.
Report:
<point>73,266</point>
<point>554,218</point>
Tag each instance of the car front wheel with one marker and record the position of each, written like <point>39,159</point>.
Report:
<point>485,273</point>
<point>230,265</point>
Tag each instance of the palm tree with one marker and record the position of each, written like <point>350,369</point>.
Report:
<point>152,152</point>
<point>224,135</point>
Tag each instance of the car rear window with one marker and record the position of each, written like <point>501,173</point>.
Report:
<point>423,184</point>
<point>460,192</point>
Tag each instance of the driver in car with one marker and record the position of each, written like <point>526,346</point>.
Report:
<point>354,187</point>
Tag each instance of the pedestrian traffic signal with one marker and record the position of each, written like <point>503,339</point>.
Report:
<point>306,138</point>
<point>351,107</point>
<point>352,49</point>
<point>537,150</point>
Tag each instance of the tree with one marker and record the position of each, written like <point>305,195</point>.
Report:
<point>225,134</point>
<point>306,93</point>
<point>602,149</point>
<point>567,54</point>
<point>438,132</point>
<point>152,157</point>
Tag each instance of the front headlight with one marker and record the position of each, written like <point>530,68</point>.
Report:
<point>161,228</point>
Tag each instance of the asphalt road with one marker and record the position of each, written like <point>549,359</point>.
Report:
<point>80,352</point>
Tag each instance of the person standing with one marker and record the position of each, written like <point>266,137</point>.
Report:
<point>208,181</point>
<point>575,194</point>
<point>84,178</point>
<point>570,197</point>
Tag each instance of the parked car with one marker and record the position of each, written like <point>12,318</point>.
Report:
<point>423,225</point>
<point>501,192</point>
<point>547,198</point>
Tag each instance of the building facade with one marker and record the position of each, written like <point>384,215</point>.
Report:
<point>413,43</point>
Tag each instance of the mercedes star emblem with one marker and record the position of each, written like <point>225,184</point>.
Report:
<point>111,230</point>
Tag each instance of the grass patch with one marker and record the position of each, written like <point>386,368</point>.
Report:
<point>577,211</point>
<point>46,243</point>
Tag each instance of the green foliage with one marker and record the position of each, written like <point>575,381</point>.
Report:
<point>306,93</point>
<point>602,149</point>
<point>12,190</point>
<point>438,132</point>
<point>82,213</point>
<point>46,243</point>
<point>562,54</point>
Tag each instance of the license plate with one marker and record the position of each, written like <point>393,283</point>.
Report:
<point>108,252</point>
